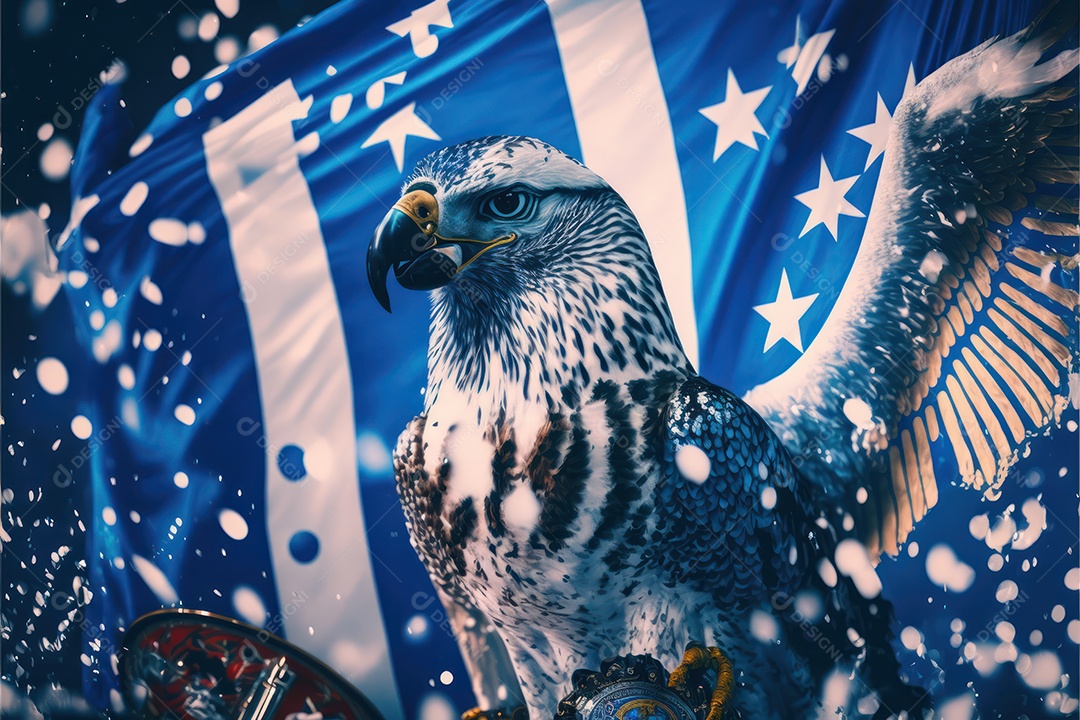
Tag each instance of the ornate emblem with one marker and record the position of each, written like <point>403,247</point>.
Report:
<point>637,687</point>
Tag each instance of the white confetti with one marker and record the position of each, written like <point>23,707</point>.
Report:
<point>859,413</point>
<point>436,706</point>
<point>226,49</point>
<point>958,708</point>
<point>233,523</point>
<point>1035,515</point>
<point>1001,534</point>
<point>1007,591</point>
<point>911,638</point>
<point>945,569</point>
<point>56,159</point>
<point>417,628</point>
<point>52,376</point>
<point>228,8</point>
<point>150,291</point>
<point>1044,670</point>
<point>979,526</point>
<point>155,579</point>
<point>181,66</point>
<point>261,37</point>
<point>827,572</point>
<point>134,199</point>
<point>693,463</point>
<point>152,340</point>
<point>185,414</point>
<point>763,627</point>
<point>249,606</point>
<point>933,263</point>
<point>521,509</point>
<point>853,561</point>
<point>141,144</point>
<point>209,25</point>
<point>196,233</point>
<point>81,427</point>
<point>169,231</point>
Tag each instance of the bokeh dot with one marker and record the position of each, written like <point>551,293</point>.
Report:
<point>290,462</point>
<point>304,546</point>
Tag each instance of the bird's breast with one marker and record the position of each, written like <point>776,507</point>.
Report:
<point>546,506</point>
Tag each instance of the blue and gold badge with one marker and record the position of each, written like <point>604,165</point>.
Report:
<point>637,687</point>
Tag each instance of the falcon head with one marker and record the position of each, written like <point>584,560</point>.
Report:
<point>501,211</point>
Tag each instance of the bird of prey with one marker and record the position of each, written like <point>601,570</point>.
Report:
<point>577,491</point>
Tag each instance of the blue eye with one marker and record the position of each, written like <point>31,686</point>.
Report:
<point>508,205</point>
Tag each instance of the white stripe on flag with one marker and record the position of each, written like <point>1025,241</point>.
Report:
<point>329,602</point>
<point>625,132</point>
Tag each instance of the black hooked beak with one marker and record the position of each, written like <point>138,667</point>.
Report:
<point>407,240</point>
<point>405,235</point>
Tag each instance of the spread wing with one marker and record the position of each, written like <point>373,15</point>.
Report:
<point>956,332</point>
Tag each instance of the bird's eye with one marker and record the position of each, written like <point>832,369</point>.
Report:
<point>508,205</point>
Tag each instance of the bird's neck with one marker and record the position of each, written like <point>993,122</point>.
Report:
<point>550,340</point>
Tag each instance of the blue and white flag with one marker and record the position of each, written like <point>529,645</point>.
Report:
<point>216,265</point>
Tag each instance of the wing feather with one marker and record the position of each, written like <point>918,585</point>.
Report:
<point>958,325</point>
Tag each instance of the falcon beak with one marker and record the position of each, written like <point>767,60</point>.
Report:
<point>407,240</point>
<point>406,233</point>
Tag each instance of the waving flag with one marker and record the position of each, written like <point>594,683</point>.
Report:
<point>244,398</point>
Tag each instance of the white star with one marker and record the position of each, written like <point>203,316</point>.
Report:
<point>735,119</point>
<point>910,83</point>
<point>396,128</point>
<point>826,201</point>
<point>876,133</point>
<point>784,314</point>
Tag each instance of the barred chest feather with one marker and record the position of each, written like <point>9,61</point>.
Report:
<point>539,510</point>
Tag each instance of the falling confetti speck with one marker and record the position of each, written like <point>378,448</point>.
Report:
<point>56,159</point>
<point>81,427</point>
<point>182,107</point>
<point>233,523</point>
<point>52,375</point>
<point>185,414</point>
